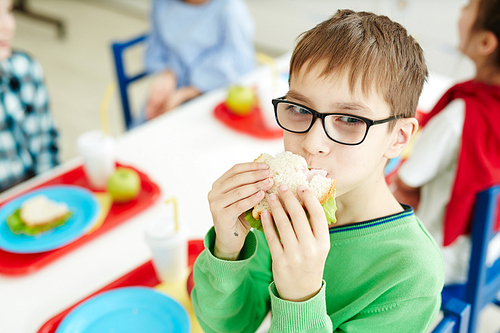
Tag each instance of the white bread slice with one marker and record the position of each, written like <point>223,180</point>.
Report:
<point>291,169</point>
<point>40,210</point>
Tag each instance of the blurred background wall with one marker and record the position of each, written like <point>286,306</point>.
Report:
<point>79,66</point>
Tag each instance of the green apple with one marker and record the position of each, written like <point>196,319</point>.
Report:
<point>240,99</point>
<point>124,184</point>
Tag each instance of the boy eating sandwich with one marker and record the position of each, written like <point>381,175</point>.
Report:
<point>355,80</point>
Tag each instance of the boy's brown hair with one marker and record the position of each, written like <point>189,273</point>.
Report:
<point>370,48</point>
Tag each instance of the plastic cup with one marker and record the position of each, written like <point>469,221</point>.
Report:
<point>270,86</point>
<point>98,153</point>
<point>169,249</point>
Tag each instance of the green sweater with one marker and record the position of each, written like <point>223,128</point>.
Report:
<point>383,275</point>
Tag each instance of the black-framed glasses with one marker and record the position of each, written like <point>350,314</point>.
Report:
<point>342,128</point>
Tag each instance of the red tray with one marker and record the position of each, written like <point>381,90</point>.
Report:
<point>143,275</point>
<point>21,263</point>
<point>252,124</point>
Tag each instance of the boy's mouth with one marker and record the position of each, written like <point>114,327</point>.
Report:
<point>311,172</point>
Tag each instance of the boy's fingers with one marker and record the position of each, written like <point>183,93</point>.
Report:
<point>281,220</point>
<point>244,221</point>
<point>317,217</point>
<point>241,168</point>
<point>245,191</point>
<point>238,180</point>
<point>240,199</point>
<point>242,204</point>
<point>297,213</point>
<point>272,237</point>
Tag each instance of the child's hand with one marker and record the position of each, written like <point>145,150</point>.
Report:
<point>238,190</point>
<point>161,90</point>
<point>179,96</point>
<point>299,259</point>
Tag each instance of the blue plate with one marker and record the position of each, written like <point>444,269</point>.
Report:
<point>81,202</point>
<point>124,310</point>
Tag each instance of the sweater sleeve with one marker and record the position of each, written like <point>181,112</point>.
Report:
<point>307,316</point>
<point>406,316</point>
<point>232,296</point>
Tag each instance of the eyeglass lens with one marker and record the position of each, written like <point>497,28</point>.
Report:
<point>345,129</point>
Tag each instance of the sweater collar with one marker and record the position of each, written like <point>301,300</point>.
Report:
<point>371,226</point>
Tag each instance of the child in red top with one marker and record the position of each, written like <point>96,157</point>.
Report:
<point>458,152</point>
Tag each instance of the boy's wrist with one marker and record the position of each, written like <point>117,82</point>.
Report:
<point>225,255</point>
<point>296,298</point>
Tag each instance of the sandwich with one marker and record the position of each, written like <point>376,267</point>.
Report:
<point>292,170</point>
<point>38,214</point>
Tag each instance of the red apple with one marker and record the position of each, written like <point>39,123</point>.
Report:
<point>124,184</point>
<point>240,100</point>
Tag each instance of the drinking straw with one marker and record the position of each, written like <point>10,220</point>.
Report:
<point>104,107</point>
<point>265,59</point>
<point>173,200</point>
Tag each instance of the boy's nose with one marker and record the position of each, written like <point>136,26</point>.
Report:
<point>316,140</point>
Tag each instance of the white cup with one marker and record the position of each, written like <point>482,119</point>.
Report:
<point>98,153</point>
<point>270,85</point>
<point>169,249</point>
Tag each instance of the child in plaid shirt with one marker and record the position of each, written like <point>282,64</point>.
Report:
<point>28,137</point>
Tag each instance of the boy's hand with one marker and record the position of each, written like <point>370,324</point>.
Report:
<point>238,190</point>
<point>299,259</point>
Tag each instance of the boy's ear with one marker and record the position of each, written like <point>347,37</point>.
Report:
<point>404,130</point>
<point>488,43</point>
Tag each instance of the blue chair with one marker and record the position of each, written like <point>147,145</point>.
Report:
<point>456,315</point>
<point>483,282</point>
<point>124,80</point>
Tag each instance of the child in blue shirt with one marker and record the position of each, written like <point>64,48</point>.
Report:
<point>195,46</point>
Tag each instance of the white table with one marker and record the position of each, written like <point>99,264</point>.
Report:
<point>184,152</point>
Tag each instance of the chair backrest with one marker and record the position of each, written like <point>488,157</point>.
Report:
<point>456,315</point>
<point>123,79</point>
<point>483,282</point>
